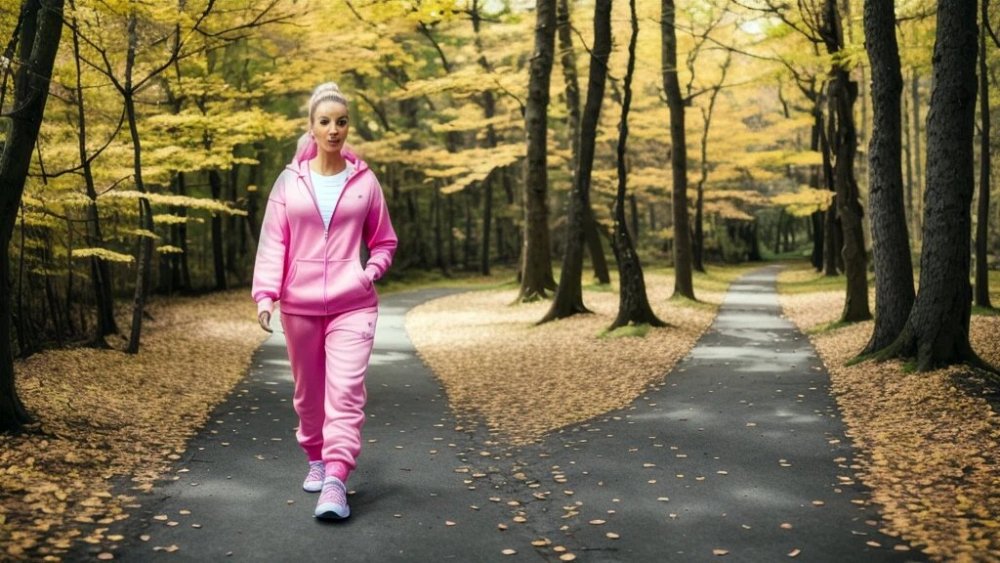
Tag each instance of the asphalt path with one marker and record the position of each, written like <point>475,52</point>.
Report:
<point>739,454</point>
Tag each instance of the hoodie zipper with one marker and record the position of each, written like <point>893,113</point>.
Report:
<point>326,226</point>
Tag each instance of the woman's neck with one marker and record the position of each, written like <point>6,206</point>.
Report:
<point>328,163</point>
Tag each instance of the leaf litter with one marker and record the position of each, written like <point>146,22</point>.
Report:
<point>526,380</point>
<point>927,445</point>
<point>104,413</point>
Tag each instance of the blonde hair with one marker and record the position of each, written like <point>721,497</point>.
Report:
<point>326,92</point>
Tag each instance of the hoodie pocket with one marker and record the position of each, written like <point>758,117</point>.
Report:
<point>346,283</point>
<point>305,283</point>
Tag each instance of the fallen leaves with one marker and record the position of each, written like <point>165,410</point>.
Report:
<point>129,415</point>
<point>487,353</point>
<point>720,552</point>
<point>927,448</point>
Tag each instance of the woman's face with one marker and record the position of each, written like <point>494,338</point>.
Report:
<point>330,125</point>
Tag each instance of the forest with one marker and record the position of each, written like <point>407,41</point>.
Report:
<point>555,145</point>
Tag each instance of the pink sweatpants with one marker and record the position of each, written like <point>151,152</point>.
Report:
<point>329,357</point>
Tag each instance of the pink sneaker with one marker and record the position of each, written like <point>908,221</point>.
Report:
<point>332,503</point>
<point>314,479</point>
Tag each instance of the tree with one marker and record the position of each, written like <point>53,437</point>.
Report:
<point>40,26</point>
<point>633,304</point>
<point>536,268</point>
<point>99,270</point>
<point>982,285</point>
<point>937,330</point>
<point>890,243</point>
<point>568,299</point>
<point>698,245</point>
<point>683,284</point>
<point>842,92</point>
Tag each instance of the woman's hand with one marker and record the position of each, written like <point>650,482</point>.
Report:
<point>264,318</point>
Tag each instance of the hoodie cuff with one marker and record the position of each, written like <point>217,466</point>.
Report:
<point>265,304</point>
<point>372,272</point>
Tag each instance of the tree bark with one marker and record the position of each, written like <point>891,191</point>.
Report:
<point>842,93</point>
<point>596,249</point>
<point>818,217</point>
<point>918,173</point>
<point>890,242</point>
<point>982,285</point>
<point>145,254</point>
<point>41,28</point>
<point>698,245</point>
<point>536,266</point>
<point>100,273</point>
<point>683,284</point>
<point>633,303</point>
<point>218,251</point>
<point>908,161</point>
<point>568,299</point>
<point>937,330</point>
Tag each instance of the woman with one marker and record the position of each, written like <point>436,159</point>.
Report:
<point>321,207</point>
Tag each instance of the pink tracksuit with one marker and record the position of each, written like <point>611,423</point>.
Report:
<point>329,307</point>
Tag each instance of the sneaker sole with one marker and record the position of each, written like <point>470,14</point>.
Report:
<point>313,488</point>
<point>331,514</point>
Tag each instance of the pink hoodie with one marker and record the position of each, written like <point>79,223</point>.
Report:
<point>313,270</point>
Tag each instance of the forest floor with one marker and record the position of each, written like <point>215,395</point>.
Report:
<point>566,363</point>
<point>119,435</point>
<point>929,442</point>
<point>104,414</point>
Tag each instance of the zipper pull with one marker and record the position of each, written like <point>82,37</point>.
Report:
<point>326,234</point>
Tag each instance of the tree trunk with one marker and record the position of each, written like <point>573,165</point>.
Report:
<point>489,110</point>
<point>536,269</point>
<point>918,173</point>
<point>633,303</point>
<point>842,94</point>
<point>100,273</point>
<point>182,236</point>
<point>908,160</point>
<point>937,330</point>
<point>41,27</point>
<point>683,284</point>
<point>982,285</point>
<point>568,299</point>
<point>145,254</point>
<point>818,217</point>
<point>596,249</point>
<point>890,243</point>
<point>218,250</point>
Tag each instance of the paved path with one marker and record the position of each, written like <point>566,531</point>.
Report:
<point>741,438</point>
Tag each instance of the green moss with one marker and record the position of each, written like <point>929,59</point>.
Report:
<point>639,330</point>
<point>827,327</point>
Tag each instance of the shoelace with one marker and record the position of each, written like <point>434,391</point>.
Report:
<point>316,471</point>
<point>333,492</point>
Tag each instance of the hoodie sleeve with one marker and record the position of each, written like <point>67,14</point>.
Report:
<point>269,267</point>
<point>379,235</point>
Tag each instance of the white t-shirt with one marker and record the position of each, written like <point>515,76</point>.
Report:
<point>328,190</point>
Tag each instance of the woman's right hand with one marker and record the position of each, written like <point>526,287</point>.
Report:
<point>264,318</point>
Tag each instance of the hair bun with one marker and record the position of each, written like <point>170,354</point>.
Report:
<point>326,87</point>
